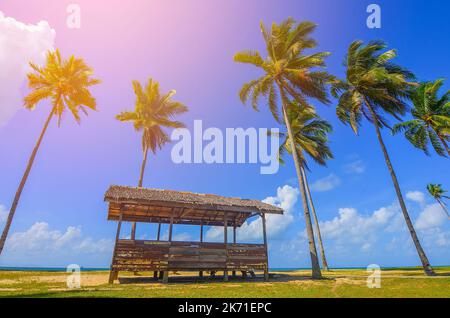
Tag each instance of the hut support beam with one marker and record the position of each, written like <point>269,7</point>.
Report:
<point>225,238</point>
<point>159,232</point>
<point>170,228</point>
<point>113,275</point>
<point>158,236</point>
<point>200,273</point>
<point>234,242</point>
<point>133,231</point>
<point>166,272</point>
<point>266,270</point>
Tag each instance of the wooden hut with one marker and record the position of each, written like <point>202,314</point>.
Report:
<point>130,204</point>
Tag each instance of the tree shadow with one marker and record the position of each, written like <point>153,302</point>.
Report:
<point>181,279</point>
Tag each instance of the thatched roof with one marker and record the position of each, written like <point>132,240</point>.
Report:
<point>147,205</point>
<point>122,193</point>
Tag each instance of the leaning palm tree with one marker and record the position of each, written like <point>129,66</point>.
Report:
<point>375,86</point>
<point>152,112</point>
<point>289,74</point>
<point>431,119</point>
<point>310,137</point>
<point>66,83</point>
<point>438,193</point>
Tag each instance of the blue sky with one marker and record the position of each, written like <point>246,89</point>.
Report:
<point>61,218</point>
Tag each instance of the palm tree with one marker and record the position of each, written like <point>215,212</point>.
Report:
<point>437,192</point>
<point>152,112</point>
<point>66,83</point>
<point>431,119</point>
<point>310,137</point>
<point>375,85</point>
<point>288,74</point>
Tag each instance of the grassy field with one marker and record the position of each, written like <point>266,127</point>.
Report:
<point>405,282</point>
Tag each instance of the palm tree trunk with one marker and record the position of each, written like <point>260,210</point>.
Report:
<point>443,207</point>
<point>316,273</point>
<point>12,211</point>
<point>316,221</point>
<point>144,162</point>
<point>423,257</point>
<point>141,180</point>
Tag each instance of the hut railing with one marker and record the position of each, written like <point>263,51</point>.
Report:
<point>139,255</point>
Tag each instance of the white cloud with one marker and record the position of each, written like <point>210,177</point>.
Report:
<point>286,198</point>
<point>176,237</point>
<point>89,245</point>
<point>381,236</point>
<point>348,231</point>
<point>351,227</point>
<point>20,43</point>
<point>442,238</point>
<point>3,214</point>
<point>416,196</point>
<point>182,237</point>
<point>43,245</point>
<point>40,237</point>
<point>326,184</point>
<point>435,237</point>
<point>355,167</point>
<point>432,216</point>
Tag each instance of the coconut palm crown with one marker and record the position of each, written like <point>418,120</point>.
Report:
<point>374,86</point>
<point>431,119</point>
<point>152,112</point>
<point>438,193</point>
<point>65,82</point>
<point>310,135</point>
<point>287,69</point>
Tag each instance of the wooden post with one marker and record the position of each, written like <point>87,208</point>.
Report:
<point>133,231</point>
<point>159,232</point>
<point>233,273</point>
<point>165,277</point>
<point>158,236</point>
<point>200,273</point>
<point>266,270</point>
<point>201,233</point>
<point>166,272</point>
<point>114,274</point>
<point>170,228</point>
<point>225,239</point>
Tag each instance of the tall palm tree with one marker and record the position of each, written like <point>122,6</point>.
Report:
<point>375,86</point>
<point>152,112</point>
<point>438,193</point>
<point>289,74</point>
<point>310,137</point>
<point>66,83</point>
<point>431,119</point>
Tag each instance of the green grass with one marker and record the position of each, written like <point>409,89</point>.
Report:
<point>398,283</point>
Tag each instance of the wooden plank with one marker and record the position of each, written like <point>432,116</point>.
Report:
<point>162,256</point>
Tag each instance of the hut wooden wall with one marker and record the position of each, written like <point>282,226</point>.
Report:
<point>135,255</point>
